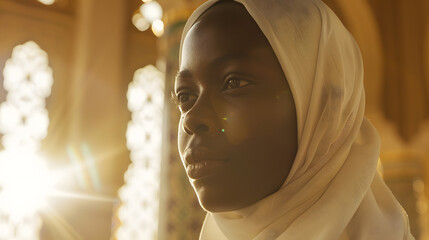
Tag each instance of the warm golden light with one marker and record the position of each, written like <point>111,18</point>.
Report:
<point>151,11</point>
<point>149,14</point>
<point>47,2</point>
<point>138,213</point>
<point>28,79</point>
<point>158,28</point>
<point>25,182</point>
<point>140,22</point>
<point>24,177</point>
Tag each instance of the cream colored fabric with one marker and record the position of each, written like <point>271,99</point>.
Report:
<point>333,190</point>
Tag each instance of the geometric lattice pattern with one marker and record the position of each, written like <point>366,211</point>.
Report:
<point>23,122</point>
<point>138,213</point>
<point>28,79</point>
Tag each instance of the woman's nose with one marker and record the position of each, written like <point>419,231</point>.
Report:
<point>200,119</point>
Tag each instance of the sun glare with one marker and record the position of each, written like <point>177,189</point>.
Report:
<point>25,182</point>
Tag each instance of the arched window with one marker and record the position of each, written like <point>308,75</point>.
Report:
<point>23,122</point>
<point>139,209</point>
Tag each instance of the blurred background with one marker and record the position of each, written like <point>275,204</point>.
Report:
<point>76,74</point>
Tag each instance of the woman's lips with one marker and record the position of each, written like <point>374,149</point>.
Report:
<point>203,169</point>
<point>202,162</point>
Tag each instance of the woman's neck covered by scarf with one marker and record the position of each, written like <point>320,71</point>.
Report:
<point>333,190</point>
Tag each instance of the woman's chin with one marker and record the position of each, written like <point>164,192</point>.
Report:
<point>214,201</point>
<point>211,205</point>
<point>211,202</point>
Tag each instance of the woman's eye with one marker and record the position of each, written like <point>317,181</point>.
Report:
<point>185,100</point>
<point>182,98</point>
<point>236,83</point>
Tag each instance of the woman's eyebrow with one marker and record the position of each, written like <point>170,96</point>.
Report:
<point>186,74</point>
<point>183,74</point>
<point>230,57</point>
<point>183,78</point>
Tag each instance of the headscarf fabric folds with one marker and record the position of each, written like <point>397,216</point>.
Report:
<point>333,190</point>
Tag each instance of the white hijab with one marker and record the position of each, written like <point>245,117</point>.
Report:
<point>333,190</point>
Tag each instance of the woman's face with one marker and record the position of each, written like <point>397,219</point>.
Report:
<point>238,132</point>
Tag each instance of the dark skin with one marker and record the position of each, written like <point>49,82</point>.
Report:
<point>237,111</point>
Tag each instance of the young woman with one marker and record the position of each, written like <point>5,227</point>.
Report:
<point>272,131</point>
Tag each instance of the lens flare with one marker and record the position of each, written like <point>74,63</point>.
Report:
<point>25,181</point>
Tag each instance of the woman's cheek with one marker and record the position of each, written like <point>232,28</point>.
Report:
<point>235,128</point>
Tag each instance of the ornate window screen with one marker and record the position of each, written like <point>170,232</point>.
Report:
<point>23,122</point>
<point>139,210</point>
